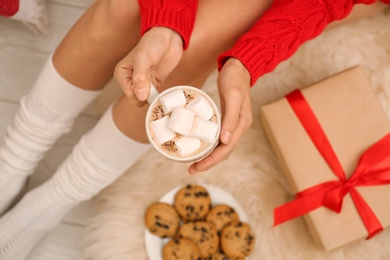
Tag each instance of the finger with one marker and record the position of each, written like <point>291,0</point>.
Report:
<point>223,151</point>
<point>220,153</point>
<point>141,76</point>
<point>124,74</point>
<point>232,101</point>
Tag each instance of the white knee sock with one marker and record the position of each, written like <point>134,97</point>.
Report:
<point>46,113</point>
<point>101,156</point>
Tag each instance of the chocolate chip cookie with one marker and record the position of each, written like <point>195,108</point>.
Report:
<point>221,215</point>
<point>161,219</point>
<point>222,256</point>
<point>180,249</point>
<point>203,234</point>
<point>192,202</point>
<point>237,239</point>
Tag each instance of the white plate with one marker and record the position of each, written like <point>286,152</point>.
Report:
<point>154,244</point>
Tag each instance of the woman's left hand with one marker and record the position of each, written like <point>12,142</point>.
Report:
<point>234,93</point>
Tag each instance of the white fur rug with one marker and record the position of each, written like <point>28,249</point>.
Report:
<point>252,174</point>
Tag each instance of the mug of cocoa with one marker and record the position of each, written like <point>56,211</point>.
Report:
<point>183,123</point>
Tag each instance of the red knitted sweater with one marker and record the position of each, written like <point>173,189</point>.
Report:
<point>285,26</point>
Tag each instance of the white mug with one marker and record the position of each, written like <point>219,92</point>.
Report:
<point>154,97</point>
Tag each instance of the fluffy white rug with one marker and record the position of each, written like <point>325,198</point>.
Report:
<point>252,174</point>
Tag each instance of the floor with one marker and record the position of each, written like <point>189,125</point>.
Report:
<point>22,54</point>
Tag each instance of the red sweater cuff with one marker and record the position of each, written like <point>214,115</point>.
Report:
<point>252,54</point>
<point>177,15</point>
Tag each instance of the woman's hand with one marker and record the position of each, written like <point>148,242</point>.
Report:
<point>234,93</point>
<point>156,55</point>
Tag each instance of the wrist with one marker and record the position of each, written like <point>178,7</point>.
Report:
<point>169,34</point>
<point>240,68</point>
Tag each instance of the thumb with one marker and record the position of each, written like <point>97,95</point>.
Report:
<point>230,118</point>
<point>141,81</point>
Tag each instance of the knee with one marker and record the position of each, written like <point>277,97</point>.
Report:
<point>120,13</point>
<point>122,10</point>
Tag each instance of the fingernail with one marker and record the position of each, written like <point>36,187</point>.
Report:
<point>226,135</point>
<point>141,94</point>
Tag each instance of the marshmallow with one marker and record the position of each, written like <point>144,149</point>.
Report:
<point>204,129</point>
<point>187,145</point>
<point>173,99</point>
<point>201,107</point>
<point>181,121</point>
<point>161,131</point>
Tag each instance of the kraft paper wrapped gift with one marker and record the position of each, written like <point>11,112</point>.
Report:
<point>353,121</point>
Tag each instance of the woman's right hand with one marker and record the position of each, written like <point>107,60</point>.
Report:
<point>154,57</point>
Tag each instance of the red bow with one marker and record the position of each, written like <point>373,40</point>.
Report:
<point>373,169</point>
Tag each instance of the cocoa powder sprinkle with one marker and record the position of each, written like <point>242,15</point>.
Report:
<point>157,112</point>
<point>188,96</point>
<point>169,146</point>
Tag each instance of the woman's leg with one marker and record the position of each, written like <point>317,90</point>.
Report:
<point>97,42</point>
<point>115,143</point>
<point>81,66</point>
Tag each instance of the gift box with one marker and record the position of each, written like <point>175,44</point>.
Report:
<point>332,141</point>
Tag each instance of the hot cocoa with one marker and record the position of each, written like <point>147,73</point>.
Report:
<point>183,122</point>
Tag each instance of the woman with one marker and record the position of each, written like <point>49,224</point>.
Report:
<point>180,44</point>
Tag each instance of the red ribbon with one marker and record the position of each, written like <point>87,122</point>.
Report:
<point>373,169</point>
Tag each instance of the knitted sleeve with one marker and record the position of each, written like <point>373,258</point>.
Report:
<point>285,26</point>
<point>179,15</point>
